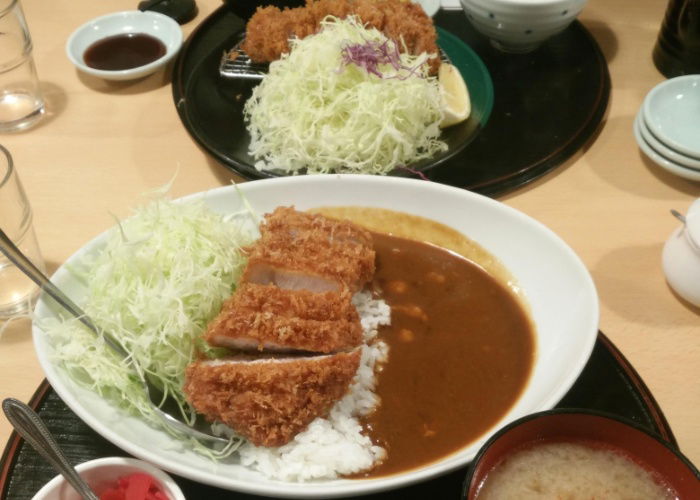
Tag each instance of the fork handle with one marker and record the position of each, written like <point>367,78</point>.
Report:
<point>25,265</point>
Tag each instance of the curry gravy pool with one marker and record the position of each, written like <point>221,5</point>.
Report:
<point>461,343</point>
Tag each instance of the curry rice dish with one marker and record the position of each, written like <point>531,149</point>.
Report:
<point>461,346</point>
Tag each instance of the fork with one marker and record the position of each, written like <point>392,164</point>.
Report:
<point>235,63</point>
<point>153,393</point>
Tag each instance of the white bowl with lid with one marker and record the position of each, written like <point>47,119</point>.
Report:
<point>153,24</point>
<point>671,110</point>
<point>681,257</point>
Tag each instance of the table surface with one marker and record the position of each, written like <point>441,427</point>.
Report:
<point>102,145</point>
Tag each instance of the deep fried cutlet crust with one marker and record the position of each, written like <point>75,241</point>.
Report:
<point>269,402</point>
<point>336,250</point>
<point>268,31</point>
<point>270,317</point>
<point>310,225</point>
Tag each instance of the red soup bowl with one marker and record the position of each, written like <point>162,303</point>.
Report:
<point>665,464</point>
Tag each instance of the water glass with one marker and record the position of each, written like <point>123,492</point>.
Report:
<point>21,102</point>
<point>17,292</point>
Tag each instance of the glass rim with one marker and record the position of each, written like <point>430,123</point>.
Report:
<point>10,166</point>
<point>9,7</point>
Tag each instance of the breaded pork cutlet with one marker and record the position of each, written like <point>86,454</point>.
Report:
<point>268,31</point>
<point>269,401</point>
<point>268,318</point>
<point>306,224</point>
<point>294,256</point>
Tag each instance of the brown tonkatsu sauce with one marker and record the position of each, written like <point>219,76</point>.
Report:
<point>124,51</point>
<point>461,351</point>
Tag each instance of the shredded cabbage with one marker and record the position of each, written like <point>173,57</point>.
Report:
<point>161,277</point>
<point>318,111</point>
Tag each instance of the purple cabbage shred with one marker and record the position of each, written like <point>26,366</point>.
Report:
<point>371,54</point>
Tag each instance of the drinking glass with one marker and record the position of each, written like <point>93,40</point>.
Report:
<point>17,292</point>
<point>21,102</point>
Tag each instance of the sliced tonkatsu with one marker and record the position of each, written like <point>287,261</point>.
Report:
<point>295,333</point>
<point>266,317</point>
<point>270,400</point>
<point>298,250</point>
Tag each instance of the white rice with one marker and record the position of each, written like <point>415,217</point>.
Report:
<point>333,446</point>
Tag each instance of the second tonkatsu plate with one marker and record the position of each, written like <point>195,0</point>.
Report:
<point>212,107</point>
<point>552,283</point>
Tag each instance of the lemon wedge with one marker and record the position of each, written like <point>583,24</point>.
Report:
<point>457,105</point>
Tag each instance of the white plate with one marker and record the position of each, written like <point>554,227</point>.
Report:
<point>672,112</point>
<point>665,163</point>
<point>662,149</point>
<point>558,288</point>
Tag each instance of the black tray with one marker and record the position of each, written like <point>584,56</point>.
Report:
<point>548,103</point>
<point>607,383</point>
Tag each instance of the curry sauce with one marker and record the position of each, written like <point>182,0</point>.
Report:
<point>461,351</point>
<point>461,344</point>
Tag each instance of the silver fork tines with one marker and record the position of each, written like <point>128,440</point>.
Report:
<point>235,63</point>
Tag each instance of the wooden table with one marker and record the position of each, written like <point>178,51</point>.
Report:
<point>104,144</point>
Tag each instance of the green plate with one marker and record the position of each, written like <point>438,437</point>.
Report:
<point>473,72</point>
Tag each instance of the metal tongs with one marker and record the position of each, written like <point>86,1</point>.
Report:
<point>235,63</point>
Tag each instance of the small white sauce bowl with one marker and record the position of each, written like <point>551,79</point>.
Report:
<point>521,25</point>
<point>102,473</point>
<point>671,110</point>
<point>681,257</point>
<point>160,26</point>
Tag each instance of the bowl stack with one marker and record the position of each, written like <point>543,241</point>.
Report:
<point>667,127</point>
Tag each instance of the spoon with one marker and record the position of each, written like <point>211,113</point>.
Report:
<point>678,215</point>
<point>32,429</point>
<point>155,395</point>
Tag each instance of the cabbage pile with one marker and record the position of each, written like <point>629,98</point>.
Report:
<point>160,278</point>
<point>344,100</point>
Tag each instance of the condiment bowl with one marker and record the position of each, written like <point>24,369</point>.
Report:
<point>597,430</point>
<point>671,111</point>
<point>663,162</point>
<point>157,25</point>
<point>103,472</point>
<point>520,26</point>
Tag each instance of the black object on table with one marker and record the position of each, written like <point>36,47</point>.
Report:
<point>548,104</point>
<point>608,383</point>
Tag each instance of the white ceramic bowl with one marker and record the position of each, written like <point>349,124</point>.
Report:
<point>663,150</point>
<point>681,257</point>
<point>660,160</point>
<point>155,24</point>
<point>102,472</point>
<point>521,25</point>
<point>672,112</point>
<point>556,285</point>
